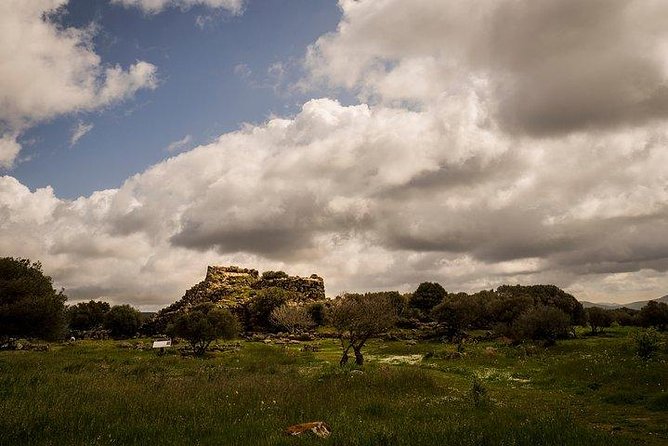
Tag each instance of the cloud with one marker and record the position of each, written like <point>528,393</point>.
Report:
<point>243,71</point>
<point>156,6</point>
<point>370,197</point>
<point>9,150</point>
<point>179,145</point>
<point>549,67</point>
<point>439,173</point>
<point>49,71</point>
<point>78,131</point>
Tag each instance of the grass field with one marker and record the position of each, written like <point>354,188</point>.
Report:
<point>586,391</point>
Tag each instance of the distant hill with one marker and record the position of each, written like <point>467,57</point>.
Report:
<point>633,305</point>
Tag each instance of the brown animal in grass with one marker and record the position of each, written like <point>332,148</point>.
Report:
<point>319,428</point>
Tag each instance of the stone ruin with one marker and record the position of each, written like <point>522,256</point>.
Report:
<point>232,287</point>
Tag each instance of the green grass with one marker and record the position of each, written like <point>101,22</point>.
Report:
<point>587,391</point>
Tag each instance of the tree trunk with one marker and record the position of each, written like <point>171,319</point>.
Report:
<point>344,357</point>
<point>359,359</point>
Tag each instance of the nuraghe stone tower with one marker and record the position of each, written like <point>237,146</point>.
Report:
<point>232,287</point>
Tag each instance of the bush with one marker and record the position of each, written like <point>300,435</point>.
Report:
<point>204,324</point>
<point>270,275</point>
<point>478,393</point>
<point>647,343</point>
<point>541,323</point>
<point>29,305</point>
<point>263,304</point>
<point>317,311</point>
<point>291,317</point>
<point>122,321</point>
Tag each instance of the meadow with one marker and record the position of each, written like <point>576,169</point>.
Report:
<point>584,391</point>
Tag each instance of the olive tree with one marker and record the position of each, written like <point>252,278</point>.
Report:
<point>598,319</point>
<point>204,324</point>
<point>541,323</point>
<point>357,318</point>
<point>292,317</point>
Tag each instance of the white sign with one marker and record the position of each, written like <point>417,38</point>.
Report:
<point>162,344</point>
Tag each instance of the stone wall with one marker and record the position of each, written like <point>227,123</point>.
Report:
<point>308,288</point>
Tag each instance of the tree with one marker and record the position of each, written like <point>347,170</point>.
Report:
<point>317,312</point>
<point>358,317</point>
<point>122,321</point>
<point>291,317</point>
<point>625,316</point>
<point>427,296</point>
<point>29,305</point>
<point>453,314</point>
<point>87,315</point>
<point>654,314</point>
<point>547,295</point>
<point>598,319</point>
<point>265,301</point>
<point>204,324</point>
<point>541,323</point>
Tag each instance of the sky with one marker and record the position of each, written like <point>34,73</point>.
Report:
<point>377,143</point>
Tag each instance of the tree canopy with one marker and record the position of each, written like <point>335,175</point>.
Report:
<point>29,305</point>
<point>204,324</point>
<point>87,315</point>
<point>357,317</point>
<point>122,321</point>
<point>427,296</point>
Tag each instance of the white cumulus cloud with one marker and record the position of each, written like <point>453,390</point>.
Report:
<point>47,71</point>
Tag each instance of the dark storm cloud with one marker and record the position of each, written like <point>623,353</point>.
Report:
<point>570,65</point>
<point>267,240</point>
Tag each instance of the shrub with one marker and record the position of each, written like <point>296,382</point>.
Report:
<point>29,305</point>
<point>263,303</point>
<point>541,323</point>
<point>269,275</point>
<point>204,324</point>
<point>122,321</point>
<point>291,317</point>
<point>317,311</point>
<point>647,343</point>
<point>478,393</point>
